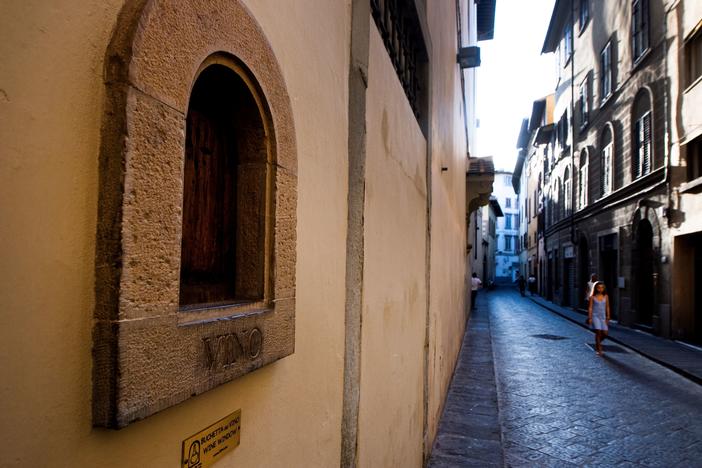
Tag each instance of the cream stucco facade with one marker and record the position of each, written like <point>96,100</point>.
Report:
<point>52,106</point>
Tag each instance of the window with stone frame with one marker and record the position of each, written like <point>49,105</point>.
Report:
<point>693,56</point>
<point>606,162</point>
<point>584,102</point>
<point>583,179</point>
<point>559,199</point>
<point>642,136</point>
<point>583,14</point>
<point>606,72</point>
<point>639,28</point>
<point>567,191</point>
<point>693,158</point>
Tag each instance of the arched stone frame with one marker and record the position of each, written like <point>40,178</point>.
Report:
<point>602,144</point>
<point>646,211</point>
<point>644,93</point>
<point>149,355</point>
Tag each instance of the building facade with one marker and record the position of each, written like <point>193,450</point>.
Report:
<point>532,147</point>
<point>507,234</point>
<point>202,202</point>
<point>684,62</point>
<point>609,171</point>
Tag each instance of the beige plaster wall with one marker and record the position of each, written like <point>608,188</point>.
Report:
<point>688,13</point>
<point>51,98</point>
<point>394,286</point>
<point>447,312</point>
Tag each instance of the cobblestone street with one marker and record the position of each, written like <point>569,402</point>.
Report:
<point>561,405</point>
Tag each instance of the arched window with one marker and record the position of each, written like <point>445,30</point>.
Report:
<point>606,161</point>
<point>559,200</point>
<point>642,136</point>
<point>567,191</point>
<point>582,179</point>
<point>225,208</point>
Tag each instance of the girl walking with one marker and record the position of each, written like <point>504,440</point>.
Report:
<point>598,314</point>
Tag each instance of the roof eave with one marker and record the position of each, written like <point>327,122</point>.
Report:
<point>555,26</point>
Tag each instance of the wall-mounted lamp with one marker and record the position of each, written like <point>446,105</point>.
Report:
<point>469,57</point>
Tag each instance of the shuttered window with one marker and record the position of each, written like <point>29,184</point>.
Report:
<point>606,71</point>
<point>642,154</point>
<point>582,181</point>
<point>607,169</point>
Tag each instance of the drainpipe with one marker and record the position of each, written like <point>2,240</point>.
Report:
<point>573,239</point>
<point>666,145</point>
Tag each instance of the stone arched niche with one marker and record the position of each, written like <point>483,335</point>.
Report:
<point>150,352</point>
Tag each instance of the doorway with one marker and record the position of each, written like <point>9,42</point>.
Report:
<point>583,271</point>
<point>608,269</point>
<point>643,269</point>
<point>687,287</point>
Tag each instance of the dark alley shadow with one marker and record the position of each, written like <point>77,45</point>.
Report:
<point>693,400</point>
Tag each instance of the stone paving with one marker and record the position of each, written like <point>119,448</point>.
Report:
<point>469,431</point>
<point>561,405</point>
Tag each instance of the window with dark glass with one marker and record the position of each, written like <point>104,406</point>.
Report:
<point>584,13</point>
<point>606,72</point>
<point>606,159</point>
<point>693,57</point>
<point>694,159</point>
<point>223,251</point>
<point>641,158</point>
<point>567,42</point>
<point>584,103</point>
<point>567,191</point>
<point>639,28</point>
<point>582,180</point>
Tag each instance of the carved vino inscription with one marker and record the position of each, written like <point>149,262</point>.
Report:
<point>224,351</point>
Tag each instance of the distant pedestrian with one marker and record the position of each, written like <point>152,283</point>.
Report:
<point>589,287</point>
<point>521,283</point>
<point>598,314</point>
<point>475,284</point>
<point>532,284</point>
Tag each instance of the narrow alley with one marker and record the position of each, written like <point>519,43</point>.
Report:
<point>558,403</point>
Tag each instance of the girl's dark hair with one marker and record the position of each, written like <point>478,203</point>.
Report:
<point>594,288</point>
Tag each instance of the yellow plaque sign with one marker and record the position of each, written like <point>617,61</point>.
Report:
<point>209,445</point>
